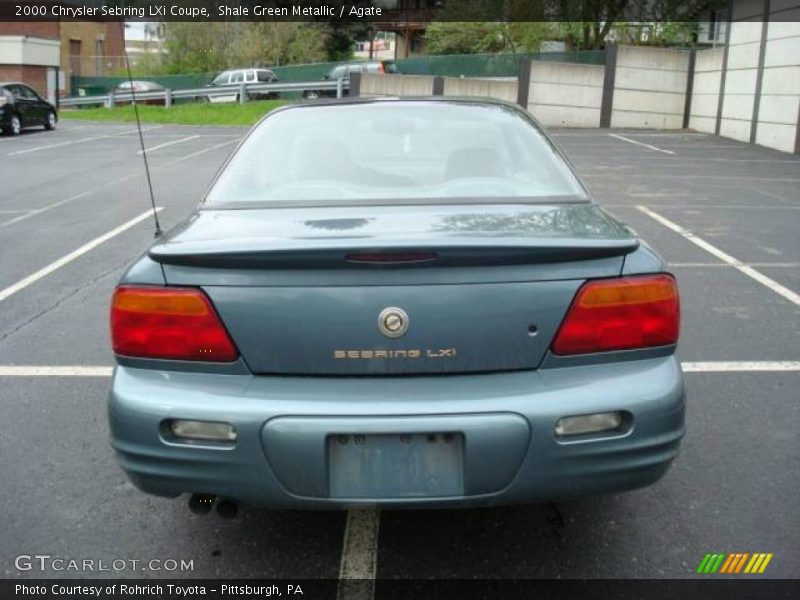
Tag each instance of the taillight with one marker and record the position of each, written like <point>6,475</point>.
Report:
<point>621,314</point>
<point>170,323</point>
<point>381,69</point>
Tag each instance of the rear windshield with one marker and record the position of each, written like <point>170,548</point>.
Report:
<point>394,151</point>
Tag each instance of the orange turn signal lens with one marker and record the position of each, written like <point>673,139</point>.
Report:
<point>621,314</point>
<point>168,323</point>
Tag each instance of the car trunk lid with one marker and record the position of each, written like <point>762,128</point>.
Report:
<point>478,288</point>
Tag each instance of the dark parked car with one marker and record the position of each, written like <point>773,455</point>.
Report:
<point>229,83</point>
<point>452,321</point>
<point>21,107</point>
<point>343,71</point>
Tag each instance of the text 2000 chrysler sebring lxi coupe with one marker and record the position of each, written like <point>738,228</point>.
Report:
<point>396,303</point>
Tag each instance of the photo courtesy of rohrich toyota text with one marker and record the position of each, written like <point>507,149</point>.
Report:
<point>399,299</point>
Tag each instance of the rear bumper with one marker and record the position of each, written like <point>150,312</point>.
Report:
<point>511,452</point>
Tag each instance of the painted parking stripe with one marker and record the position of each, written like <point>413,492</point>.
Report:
<point>609,174</point>
<point>34,371</point>
<point>765,366</point>
<point>746,366</point>
<point>630,141</point>
<point>726,265</point>
<point>80,141</point>
<point>723,256</point>
<point>57,264</point>
<point>203,151</point>
<point>359,555</point>
<point>33,213</point>
<point>713,206</point>
<point>83,194</point>
<point>172,143</point>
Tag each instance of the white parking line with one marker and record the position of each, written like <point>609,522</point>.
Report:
<point>33,213</point>
<point>37,211</point>
<point>80,141</point>
<point>629,140</point>
<point>359,555</point>
<point>742,267</point>
<point>34,277</point>
<point>363,524</point>
<point>203,151</point>
<point>713,206</point>
<point>765,366</point>
<point>720,264</point>
<point>34,371</point>
<point>172,143</point>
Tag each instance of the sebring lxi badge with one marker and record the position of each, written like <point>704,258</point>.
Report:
<point>393,322</point>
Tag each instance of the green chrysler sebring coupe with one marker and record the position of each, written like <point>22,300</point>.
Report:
<point>396,302</point>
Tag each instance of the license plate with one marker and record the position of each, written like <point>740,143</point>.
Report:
<point>410,465</point>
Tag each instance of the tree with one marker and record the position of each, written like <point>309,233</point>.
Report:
<point>655,34</point>
<point>271,44</point>
<point>447,37</point>
<point>587,24</point>
<point>214,46</point>
<point>342,37</point>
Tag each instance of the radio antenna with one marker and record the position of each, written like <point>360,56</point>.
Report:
<point>139,129</point>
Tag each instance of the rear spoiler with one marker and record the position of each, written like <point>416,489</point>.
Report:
<point>260,253</point>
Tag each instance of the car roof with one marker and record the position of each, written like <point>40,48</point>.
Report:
<point>350,63</point>
<point>347,100</point>
<point>245,69</point>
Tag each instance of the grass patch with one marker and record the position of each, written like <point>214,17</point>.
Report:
<point>193,113</point>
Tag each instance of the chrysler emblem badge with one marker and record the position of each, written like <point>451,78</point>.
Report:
<point>393,322</point>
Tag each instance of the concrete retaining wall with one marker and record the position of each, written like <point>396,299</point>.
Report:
<point>748,91</point>
<point>650,88</point>
<point>741,76</point>
<point>565,94</point>
<point>760,77</point>
<point>778,119</point>
<point>705,90</point>
<point>396,85</point>
<point>501,89</point>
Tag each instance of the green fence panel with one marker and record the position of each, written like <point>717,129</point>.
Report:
<point>102,85</point>
<point>489,65</point>
<point>454,65</point>
<point>308,72</point>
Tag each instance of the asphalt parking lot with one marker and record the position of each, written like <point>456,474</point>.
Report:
<point>726,215</point>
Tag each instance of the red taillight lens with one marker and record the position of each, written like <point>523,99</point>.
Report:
<point>621,314</point>
<point>171,323</point>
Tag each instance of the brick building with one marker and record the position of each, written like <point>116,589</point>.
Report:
<point>47,54</point>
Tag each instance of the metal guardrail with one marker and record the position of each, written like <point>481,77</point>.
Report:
<point>242,91</point>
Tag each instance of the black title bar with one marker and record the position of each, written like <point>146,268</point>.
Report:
<point>377,11</point>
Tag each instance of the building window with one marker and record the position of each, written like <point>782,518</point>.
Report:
<point>718,25</point>
<point>99,56</point>
<point>75,58</point>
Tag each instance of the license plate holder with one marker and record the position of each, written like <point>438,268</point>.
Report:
<point>407,465</point>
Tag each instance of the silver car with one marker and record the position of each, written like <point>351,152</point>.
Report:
<point>229,84</point>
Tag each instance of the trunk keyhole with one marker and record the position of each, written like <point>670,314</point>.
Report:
<point>532,330</point>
